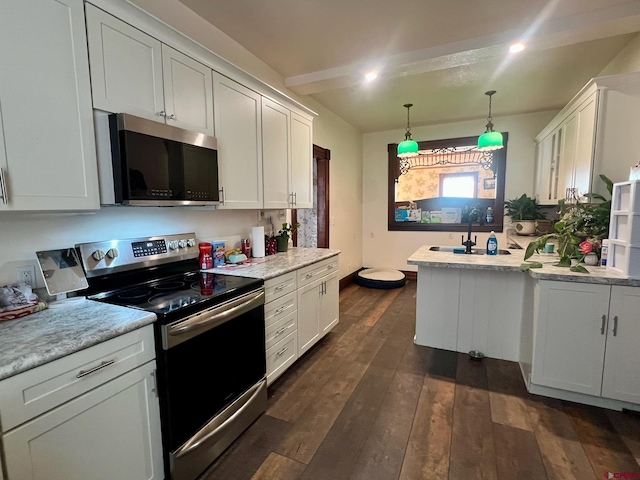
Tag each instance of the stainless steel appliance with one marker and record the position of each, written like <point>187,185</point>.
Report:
<point>157,164</point>
<point>209,340</point>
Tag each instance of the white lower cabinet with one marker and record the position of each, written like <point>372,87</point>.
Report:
<point>584,339</point>
<point>317,302</point>
<point>301,307</point>
<point>92,414</point>
<point>110,432</point>
<point>281,323</point>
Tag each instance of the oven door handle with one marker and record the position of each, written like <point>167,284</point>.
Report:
<point>185,329</point>
<point>215,428</point>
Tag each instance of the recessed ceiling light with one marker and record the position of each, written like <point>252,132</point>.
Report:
<point>370,76</point>
<point>516,47</point>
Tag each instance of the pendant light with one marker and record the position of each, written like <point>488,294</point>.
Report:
<point>408,147</point>
<point>490,140</point>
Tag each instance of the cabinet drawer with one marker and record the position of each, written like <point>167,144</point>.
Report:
<point>309,273</point>
<point>281,355</point>
<point>280,329</point>
<point>274,311</point>
<point>36,391</point>
<point>279,286</point>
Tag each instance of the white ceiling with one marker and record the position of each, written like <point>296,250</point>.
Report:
<point>439,55</point>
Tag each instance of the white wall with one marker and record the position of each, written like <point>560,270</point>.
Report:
<point>21,235</point>
<point>627,61</point>
<point>386,249</point>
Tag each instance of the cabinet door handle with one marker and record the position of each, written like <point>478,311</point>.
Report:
<point>309,275</point>
<point>103,364</point>
<point>3,187</point>
<point>295,198</point>
<point>329,267</point>
<point>280,310</point>
<point>281,331</point>
<point>162,113</point>
<point>172,116</point>
<point>604,321</point>
<point>281,352</point>
<point>155,382</point>
<point>221,191</point>
<point>280,287</point>
<point>615,326</point>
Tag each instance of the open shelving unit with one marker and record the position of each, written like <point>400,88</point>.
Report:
<point>624,229</point>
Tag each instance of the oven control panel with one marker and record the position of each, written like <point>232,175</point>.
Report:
<point>100,258</point>
<point>151,247</point>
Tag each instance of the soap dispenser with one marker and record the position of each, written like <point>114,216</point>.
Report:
<point>492,244</point>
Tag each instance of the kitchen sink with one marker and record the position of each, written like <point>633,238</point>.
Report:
<point>474,251</point>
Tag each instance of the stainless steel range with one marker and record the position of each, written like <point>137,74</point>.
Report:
<point>209,340</point>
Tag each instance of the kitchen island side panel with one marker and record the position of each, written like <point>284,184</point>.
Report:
<point>490,313</point>
<point>437,307</point>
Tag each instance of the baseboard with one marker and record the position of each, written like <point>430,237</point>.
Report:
<point>349,279</point>
<point>410,275</point>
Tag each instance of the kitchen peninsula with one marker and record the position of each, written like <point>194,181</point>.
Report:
<point>554,322</point>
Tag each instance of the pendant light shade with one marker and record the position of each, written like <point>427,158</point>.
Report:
<point>408,147</point>
<point>490,140</point>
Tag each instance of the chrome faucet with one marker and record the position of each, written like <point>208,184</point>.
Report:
<point>476,213</point>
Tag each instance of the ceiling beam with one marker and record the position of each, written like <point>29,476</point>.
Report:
<point>544,33</point>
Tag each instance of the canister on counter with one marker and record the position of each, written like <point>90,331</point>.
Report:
<point>218,253</point>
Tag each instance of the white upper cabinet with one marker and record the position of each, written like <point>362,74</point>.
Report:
<point>188,92</point>
<point>276,156</point>
<point>47,146</point>
<point>132,72</point>
<point>600,128</point>
<point>238,120</point>
<point>301,161</point>
<point>126,67</point>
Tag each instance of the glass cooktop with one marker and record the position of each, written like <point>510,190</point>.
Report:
<point>189,291</point>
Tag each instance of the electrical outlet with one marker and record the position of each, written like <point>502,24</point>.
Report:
<point>260,216</point>
<point>451,236</point>
<point>371,234</point>
<point>26,274</point>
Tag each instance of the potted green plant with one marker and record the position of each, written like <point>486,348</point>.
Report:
<point>579,232</point>
<point>523,211</point>
<point>284,234</point>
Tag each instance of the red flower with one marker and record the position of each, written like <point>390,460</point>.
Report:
<point>585,247</point>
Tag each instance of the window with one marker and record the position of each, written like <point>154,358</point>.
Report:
<point>461,185</point>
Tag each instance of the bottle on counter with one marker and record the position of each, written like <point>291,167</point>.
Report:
<point>206,257</point>
<point>492,244</point>
<point>604,252</point>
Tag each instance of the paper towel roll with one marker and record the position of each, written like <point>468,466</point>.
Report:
<point>257,242</point>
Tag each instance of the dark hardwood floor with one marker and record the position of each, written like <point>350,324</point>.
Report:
<point>366,403</point>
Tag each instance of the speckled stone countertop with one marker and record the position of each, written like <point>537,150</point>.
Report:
<point>63,328</point>
<point>506,263</point>
<point>274,265</point>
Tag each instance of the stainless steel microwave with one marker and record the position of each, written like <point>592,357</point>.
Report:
<point>160,165</point>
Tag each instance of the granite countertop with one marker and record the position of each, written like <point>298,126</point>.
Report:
<point>506,263</point>
<point>62,329</point>
<point>275,265</point>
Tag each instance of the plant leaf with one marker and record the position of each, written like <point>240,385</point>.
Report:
<point>531,249</point>
<point>563,262</point>
<point>579,268</point>
<point>525,267</point>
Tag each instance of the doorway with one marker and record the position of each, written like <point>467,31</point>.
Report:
<point>314,222</point>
